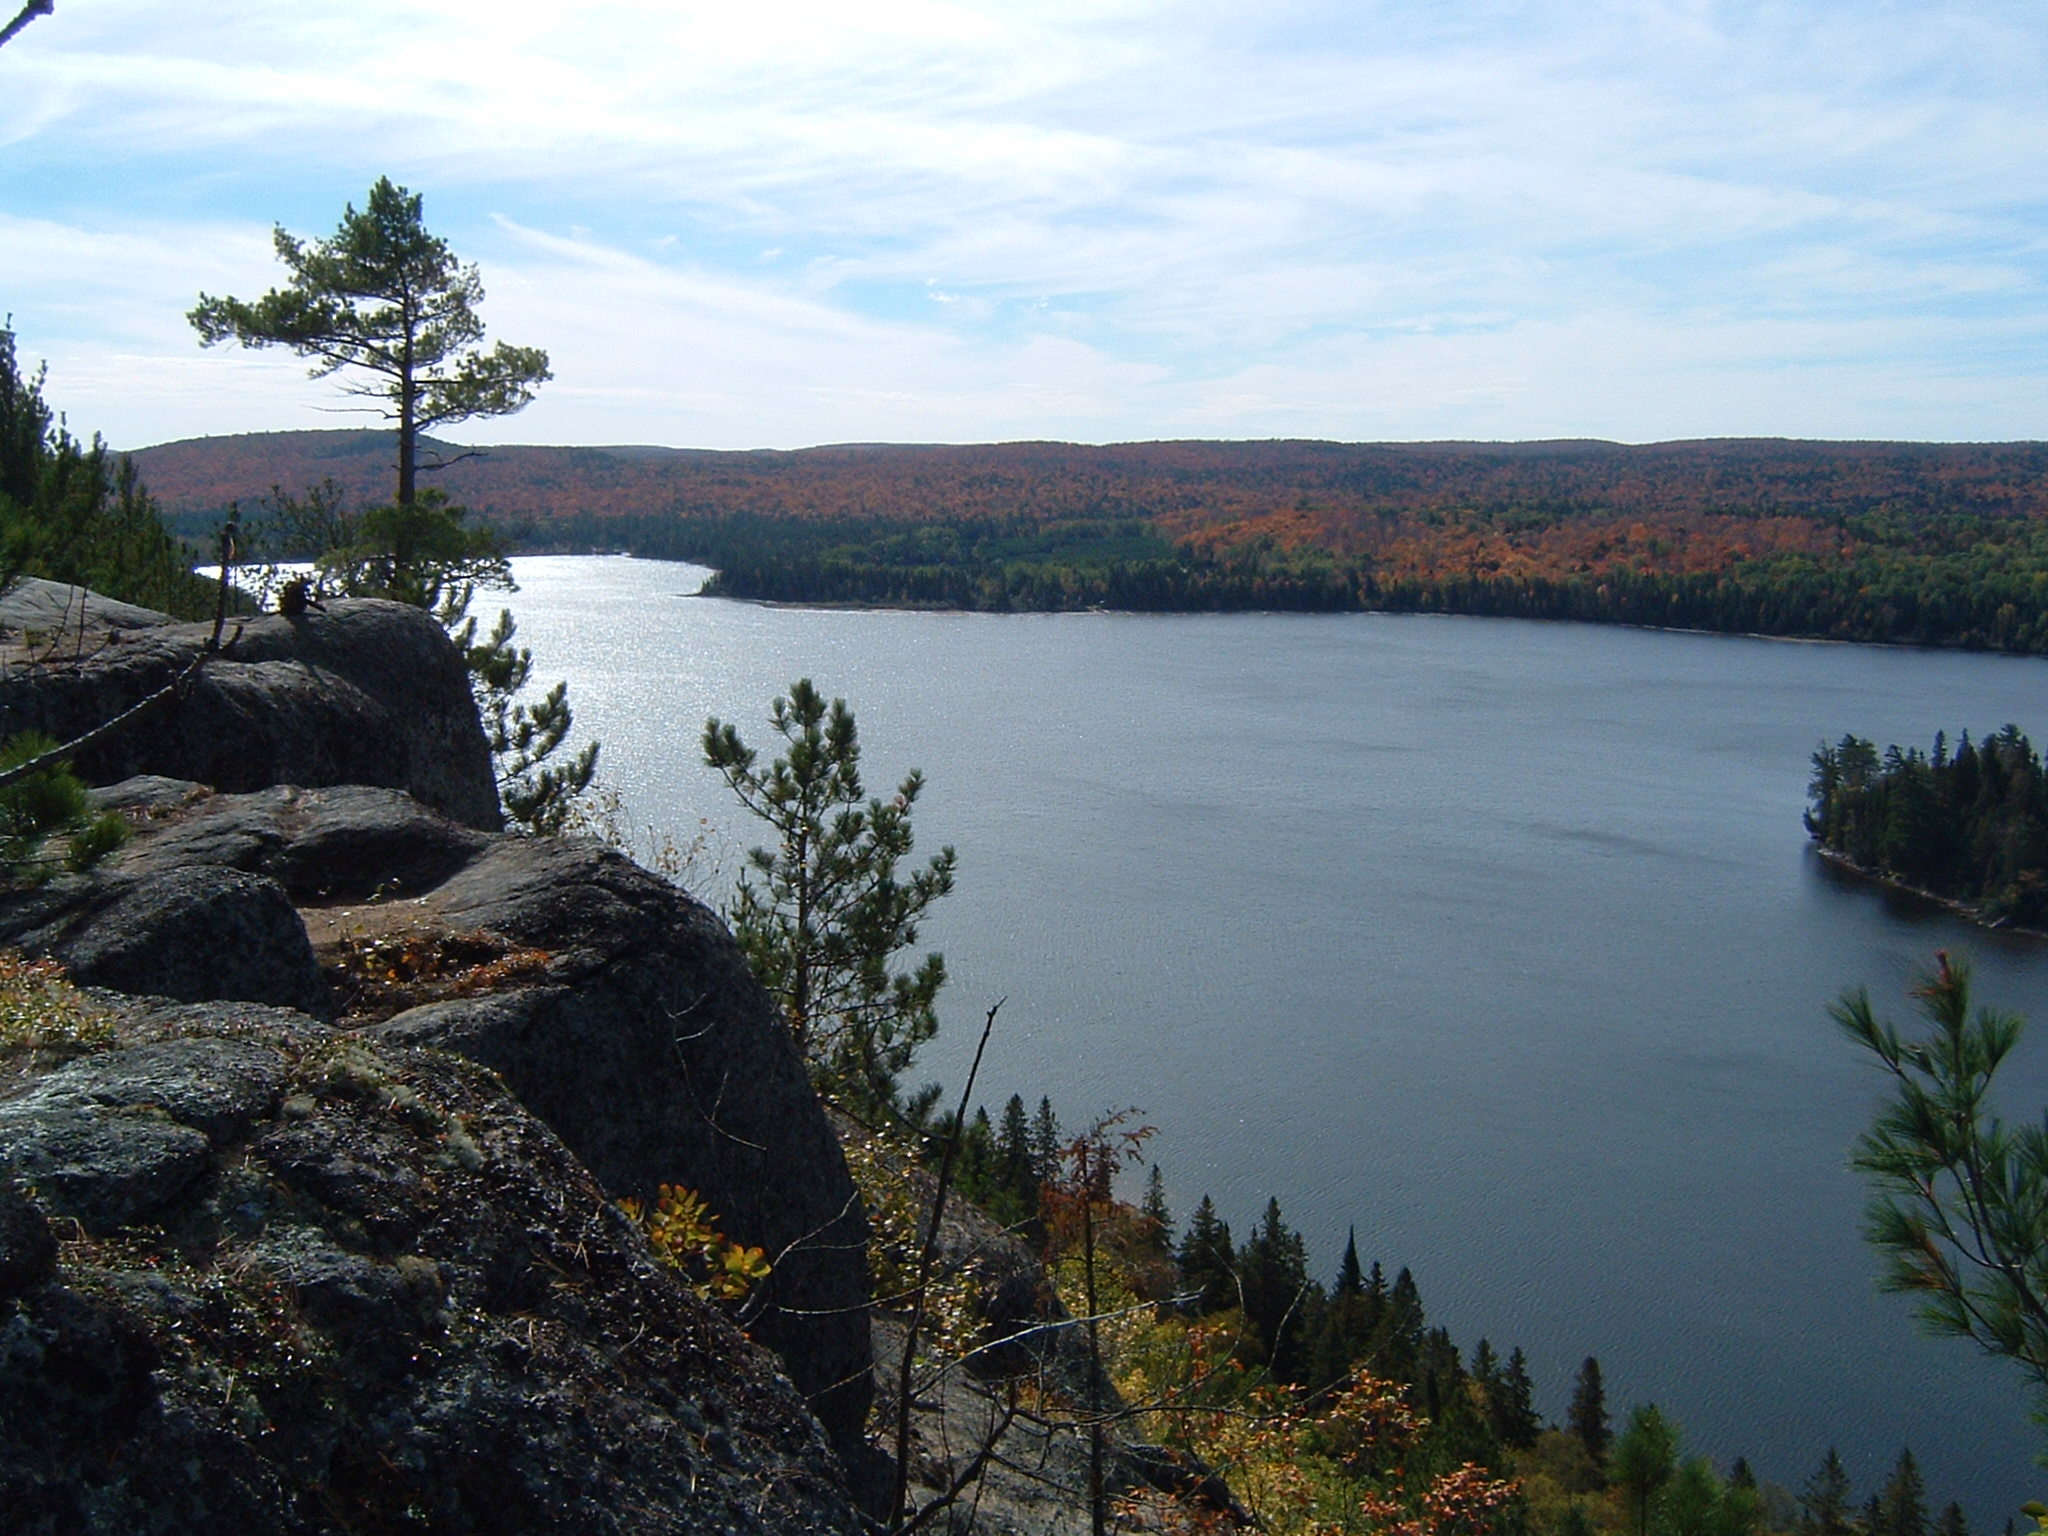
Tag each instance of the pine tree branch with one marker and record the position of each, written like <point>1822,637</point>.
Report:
<point>28,13</point>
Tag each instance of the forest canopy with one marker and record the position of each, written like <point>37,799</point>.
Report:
<point>1931,544</point>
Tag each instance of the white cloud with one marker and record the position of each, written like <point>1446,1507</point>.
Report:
<point>928,218</point>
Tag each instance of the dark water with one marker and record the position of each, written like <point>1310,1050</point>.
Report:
<point>1498,940</point>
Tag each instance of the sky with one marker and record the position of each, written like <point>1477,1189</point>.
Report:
<point>784,223</point>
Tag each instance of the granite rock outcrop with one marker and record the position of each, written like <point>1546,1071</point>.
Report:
<point>262,1275</point>
<point>615,1007</point>
<point>356,692</point>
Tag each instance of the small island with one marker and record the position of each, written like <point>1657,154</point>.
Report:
<point>1967,827</point>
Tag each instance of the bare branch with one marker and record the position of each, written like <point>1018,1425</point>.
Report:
<point>925,1263</point>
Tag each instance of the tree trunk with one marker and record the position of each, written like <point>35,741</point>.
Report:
<point>408,422</point>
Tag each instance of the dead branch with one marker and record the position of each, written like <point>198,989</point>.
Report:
<point>925,1264</point>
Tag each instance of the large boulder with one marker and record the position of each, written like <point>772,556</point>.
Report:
<point>616,1007</point>
<point>197,933</point>
<point>55,614</point>
<point>261,1276</point>
<point>653,1051</point>
<point>357,692</point>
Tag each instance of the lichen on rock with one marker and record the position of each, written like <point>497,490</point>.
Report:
<point>248,1283</point>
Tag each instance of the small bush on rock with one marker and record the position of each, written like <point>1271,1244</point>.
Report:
<point>681,1229</point>
<point>47,820</point>
<point>41,1011</point>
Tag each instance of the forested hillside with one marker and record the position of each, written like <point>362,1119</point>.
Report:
<point>1923,543</point>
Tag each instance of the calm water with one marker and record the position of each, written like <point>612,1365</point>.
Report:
<point>1498,940</point>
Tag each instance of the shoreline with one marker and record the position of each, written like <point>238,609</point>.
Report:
<point>865,605</point>
<point>1955,907</point>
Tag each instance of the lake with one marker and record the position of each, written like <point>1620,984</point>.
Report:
<point>1499,941</point>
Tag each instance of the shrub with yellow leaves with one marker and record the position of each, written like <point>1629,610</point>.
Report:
<point>682,1231</point>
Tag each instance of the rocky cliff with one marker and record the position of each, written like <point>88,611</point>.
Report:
<point>322,1205</point>
<point>357,692</point>
<point>258,1275</point>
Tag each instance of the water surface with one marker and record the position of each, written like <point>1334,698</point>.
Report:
<point>1499,940</point>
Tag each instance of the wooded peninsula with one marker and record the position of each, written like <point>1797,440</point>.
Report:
<point>1914,543</point>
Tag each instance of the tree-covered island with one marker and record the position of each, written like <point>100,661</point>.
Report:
<point>1968,825</point>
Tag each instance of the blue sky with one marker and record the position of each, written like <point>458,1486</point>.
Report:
<point>776,224</point>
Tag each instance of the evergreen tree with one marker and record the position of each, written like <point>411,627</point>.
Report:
<point>1459,1429</point>
<point>1376,1292</point>
<point>426,554</point>
<point>539,795</point>
<point>1273,1265</point>
<point>1350,1279</point>
<point>1951,1522</point>
<point>974,1168</point>
<point>1514,1415</point>
<point>1158,1217</point>
<point>1208,1262</point>
<point>822,915</point>
<point>387,299</point>
<point>1396,1347</point>
<point>1045,1143</point>
<point>1645,1459</point>
<point>1824,1505</point>
<point>1016,1181</point>
<point>1742,1503</point>
<point>1341,1334</point>
<point>1587,1416</point>
<point>1957,1213</point>
<point>1691,1504</point>
<point>1902,1503</point>
<point>72,512</point>
<point>1439,1373</point>
<point>1486,1371</point>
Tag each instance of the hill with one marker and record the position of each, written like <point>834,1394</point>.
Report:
<point>1934,543</point>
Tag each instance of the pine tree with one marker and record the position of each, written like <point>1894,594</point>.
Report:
<point>1951,1522</point>
<point>385,298</point>
<point>1208,1262</point>
<point>1691,1503</point>
<point>1376,1293</point>
<point>1460,1430</point>
<point>1514,1418</point>
<point>1742,1503</point>
<point>1486,1375</point>
<point>1587,1416</point>
<point>1350,1279</point>
<point>1645,1459</point>
<point>1340,1335</point>
<point>72,512</point>
<point>1016,1179</point>
<point>1438,1371</point>
<point>1398,1332</point>
<point>974,1169</point>
<point>1958,1194</point>
<point>1045,1143</point>
<point>822,914</point>
<point>1824,1505</point>
<point>1902,1503</point>
<point>1156,1213</point>
<point>1274,1267</point>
